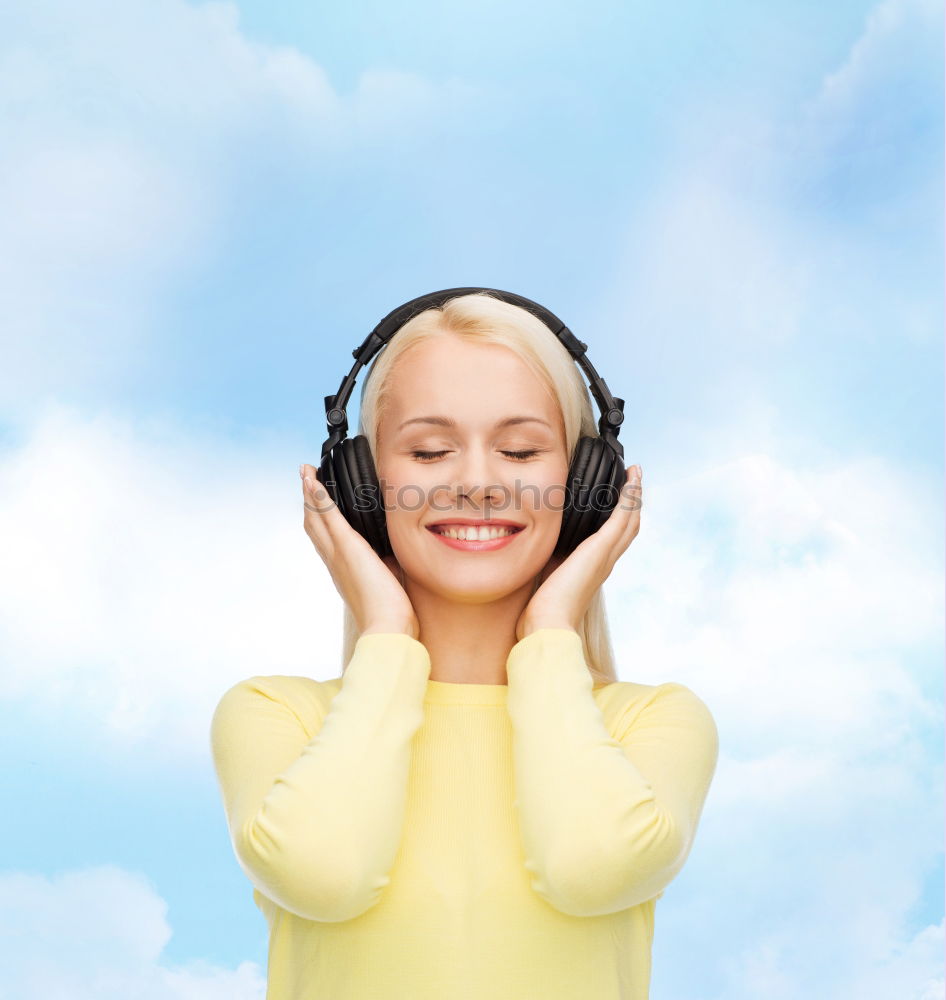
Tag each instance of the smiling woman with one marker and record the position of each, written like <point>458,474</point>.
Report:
<point>463,813</point>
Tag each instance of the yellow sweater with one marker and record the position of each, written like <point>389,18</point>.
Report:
<point>411,839</point>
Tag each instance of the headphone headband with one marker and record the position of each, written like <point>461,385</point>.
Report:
<point>610,407</point>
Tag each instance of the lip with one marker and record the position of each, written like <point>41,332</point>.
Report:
<point>493,522</point>
<point>488,545</point>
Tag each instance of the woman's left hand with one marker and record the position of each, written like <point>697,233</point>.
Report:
<point>569,584</point>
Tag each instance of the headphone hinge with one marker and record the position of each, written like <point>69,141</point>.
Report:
<point>573,345</point>
<point>371,344</point>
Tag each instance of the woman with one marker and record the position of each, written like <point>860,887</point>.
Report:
<point>464,812</point>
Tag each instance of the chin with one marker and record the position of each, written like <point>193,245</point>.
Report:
<point>471,587</point>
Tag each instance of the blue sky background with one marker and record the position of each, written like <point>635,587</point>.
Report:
<point>739,208</point>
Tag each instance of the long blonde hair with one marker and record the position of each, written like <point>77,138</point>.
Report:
<point>482,318</point>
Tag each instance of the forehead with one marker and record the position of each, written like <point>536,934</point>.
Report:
<point>475,384</point>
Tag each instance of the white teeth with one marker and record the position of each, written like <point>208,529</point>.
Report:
<point>482,533</point>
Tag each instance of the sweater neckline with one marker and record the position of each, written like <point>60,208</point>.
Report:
<point>453,693</point>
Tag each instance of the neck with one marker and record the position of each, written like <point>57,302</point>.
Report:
<point>468,643</point>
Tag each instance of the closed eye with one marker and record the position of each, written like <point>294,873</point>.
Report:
<point>428,456</point>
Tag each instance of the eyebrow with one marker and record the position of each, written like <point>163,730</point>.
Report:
<point>448,422</point>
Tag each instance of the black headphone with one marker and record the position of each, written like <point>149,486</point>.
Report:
<point>596,471</point>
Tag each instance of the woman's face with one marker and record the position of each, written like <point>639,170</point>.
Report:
<point>475,468</point>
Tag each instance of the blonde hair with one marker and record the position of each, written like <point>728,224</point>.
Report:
<point>482,318</point>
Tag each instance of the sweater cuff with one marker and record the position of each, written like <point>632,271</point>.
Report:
<point>393,646</point>
<point>388,665</point>
<point>548,656</point>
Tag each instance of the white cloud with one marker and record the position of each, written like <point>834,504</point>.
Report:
<point>147,568</point>
<point>771,227</point>
<point>900,43</point>
<point>768,968</point>
<point>708,266</point>
<point>127,130</point>
<point>98,934</point>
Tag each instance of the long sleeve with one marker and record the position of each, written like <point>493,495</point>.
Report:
<point>315,817</point>
<point>606,821</point>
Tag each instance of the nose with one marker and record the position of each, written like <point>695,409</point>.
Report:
<point>481,479</point>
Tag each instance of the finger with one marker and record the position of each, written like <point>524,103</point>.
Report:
<point>628,506</point>
<point>319,510</point>
<point>315,496</point>
<point>633,499</point>
<point>623,523</point>
<point>323,519</point>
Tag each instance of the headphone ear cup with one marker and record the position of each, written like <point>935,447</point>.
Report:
<point>336,479</point>
<point>614,481</point>
<point>348,474</point>
<point>595,482</point>
<point>572,516</point>
<point>605,488</point>
<point>351,490</point>
<point>326,476</point>
<point>333,475</point>
<point>368,489</point>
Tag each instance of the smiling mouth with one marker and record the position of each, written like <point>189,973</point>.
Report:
<point>474,533</point>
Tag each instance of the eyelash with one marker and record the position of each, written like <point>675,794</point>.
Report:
<point>426,456</point>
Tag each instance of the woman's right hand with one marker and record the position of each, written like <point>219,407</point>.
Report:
<point>367,583</point>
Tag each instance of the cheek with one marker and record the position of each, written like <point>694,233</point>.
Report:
<point>407,489</point>
<point>546,495</point>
